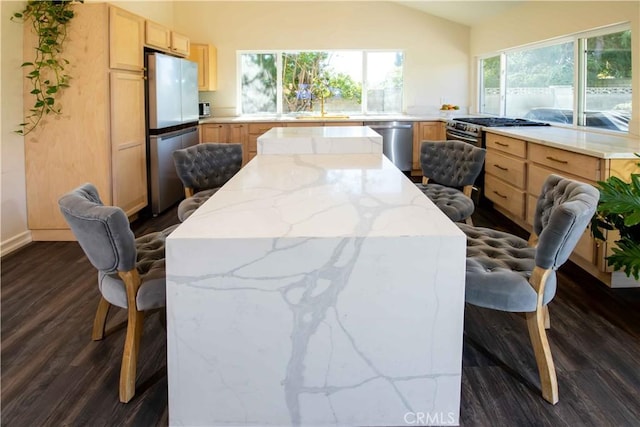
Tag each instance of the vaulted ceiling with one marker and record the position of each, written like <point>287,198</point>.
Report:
<point>464,12</point>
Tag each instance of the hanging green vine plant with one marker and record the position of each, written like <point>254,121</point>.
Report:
<point>47,73</point>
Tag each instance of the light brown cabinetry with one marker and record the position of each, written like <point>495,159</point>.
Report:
<point>227,133</point>
<point>180,44</point>
<point>515,171</point>
<point>126,37</point>
<point>255,130</point>
<point>162,38</point>
<point>505,174</point>
<point>424,131</point>
<point>206,56</point>
<point>128,147</point>
<point>343,123</point>
<point>99,137</point>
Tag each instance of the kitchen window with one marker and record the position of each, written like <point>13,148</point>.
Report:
<point>583,80</point>
<point>316,82</point>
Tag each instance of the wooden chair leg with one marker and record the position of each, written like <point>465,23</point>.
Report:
<point>100,321</point>
<point>542,351</point>
<point>130,355</point>
<point>547,319</point>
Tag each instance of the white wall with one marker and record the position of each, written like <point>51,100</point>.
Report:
<point>13,205</point>
<point>436,50</point>
<point>160,11</point>
<point>537,21</point>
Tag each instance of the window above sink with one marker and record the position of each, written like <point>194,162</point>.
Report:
<point>320,83</point>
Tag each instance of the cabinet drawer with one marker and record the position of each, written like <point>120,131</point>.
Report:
<point>538,174</point>
<point>566,161</point>
<point>260,128</point>
<point>303,124</point>
<point>505,195</point>
<point>516,147</point>
<point>343,123</point>
<point>507,168</point>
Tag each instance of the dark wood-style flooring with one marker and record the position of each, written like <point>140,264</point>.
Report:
<point>54,375</point>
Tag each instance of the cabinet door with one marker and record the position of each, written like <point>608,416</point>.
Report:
<point>157,36</point>
<point>206,57</point>
<point>238,133</point>
<point>126,35</point>
<point>425,131</point>
<point>179,44</point>
<point>128,162</point>
<point>254,131</point>
<point>213,132</point>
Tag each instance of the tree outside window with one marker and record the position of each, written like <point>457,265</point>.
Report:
<point>314,82</point>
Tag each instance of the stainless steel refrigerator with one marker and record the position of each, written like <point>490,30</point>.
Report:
<point>172,123</point>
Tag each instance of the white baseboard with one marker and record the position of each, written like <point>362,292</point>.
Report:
<point>16,242</point>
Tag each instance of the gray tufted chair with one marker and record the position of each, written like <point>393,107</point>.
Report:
<point>203,169</point>
<point>452,167</point>
<point>131,272</point>
<point>507,273</point>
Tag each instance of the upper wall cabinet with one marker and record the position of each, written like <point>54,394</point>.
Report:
<point>126,35</point>
<point>156,35</point>
<point>180,44</point>
<point>205,55</point>
<point>162,38</point>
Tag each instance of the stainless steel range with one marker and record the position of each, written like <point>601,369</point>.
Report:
<point>471,130</point>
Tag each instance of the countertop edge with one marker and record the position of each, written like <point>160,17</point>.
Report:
<point>516,132</point>
<point>614,153</point>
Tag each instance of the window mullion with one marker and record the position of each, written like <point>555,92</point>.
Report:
<point>365,81</point>
<point>279,85</point>
<point>503,84</point>
<point>581,83</point>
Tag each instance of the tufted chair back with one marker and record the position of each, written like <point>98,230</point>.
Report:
<point>131,272</point>
<point>451,163</point>
<point>208,165</point>
<point>563,210</point>
<point>103,232</point>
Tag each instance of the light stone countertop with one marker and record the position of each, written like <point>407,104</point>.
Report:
<point>598,144</point>
<point>307,192</point>
<point>351,118</point>
<point>315,290</point>
<point>320,140</point>
<point>601,145</point>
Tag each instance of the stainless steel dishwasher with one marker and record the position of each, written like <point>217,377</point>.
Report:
<point>397,142</point>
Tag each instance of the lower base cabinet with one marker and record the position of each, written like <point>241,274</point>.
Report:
<point>537,161</point>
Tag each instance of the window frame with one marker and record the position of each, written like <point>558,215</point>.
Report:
<point>580,71</point>
<point>279,82</point>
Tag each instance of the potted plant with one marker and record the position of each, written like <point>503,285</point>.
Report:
<point>47,72</point>
<point>619,209</point>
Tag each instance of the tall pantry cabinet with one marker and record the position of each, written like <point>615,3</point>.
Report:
<point>99,137</point>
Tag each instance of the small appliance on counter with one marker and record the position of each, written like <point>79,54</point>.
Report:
<point>204,109</point>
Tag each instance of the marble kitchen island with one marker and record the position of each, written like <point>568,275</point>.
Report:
<point>315,290</point>
<point>320,140</point>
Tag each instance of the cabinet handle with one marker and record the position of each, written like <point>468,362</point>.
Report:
<point>501,144</point>
<point>501,168</point>
<point>500,195</point>
<point>553,159</point>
